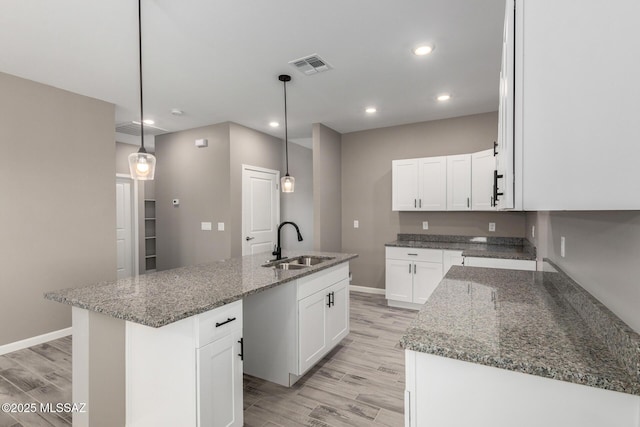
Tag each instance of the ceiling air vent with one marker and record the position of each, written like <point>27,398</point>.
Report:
<point>311,64</point>
<point>133,128</point>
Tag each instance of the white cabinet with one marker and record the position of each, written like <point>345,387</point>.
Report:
<point>411,275</point>
<point>290,328</point>
<point>483,165</point>
<point>575,122</point>
<point>432,184</point>
<point>419,184</point>
<point>451,258</point>
<point>323,322</point>
<point>220,382</point>
<point>459,182</point>
<point>454,183</point>
<point>188,372</point>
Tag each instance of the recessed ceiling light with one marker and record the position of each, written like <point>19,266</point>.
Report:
<point>370,110</point>
<point>274,124</point>
<point>423,50</point>
<point>149,122</point>
<point>444,97</point>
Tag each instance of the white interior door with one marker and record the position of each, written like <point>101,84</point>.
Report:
<point>125,239</point>
<point>260,209</point>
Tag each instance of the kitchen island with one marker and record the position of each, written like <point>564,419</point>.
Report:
<point>505,347</point>
<point>183,333</point>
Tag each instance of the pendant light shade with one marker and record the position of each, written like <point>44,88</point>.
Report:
<point>142,165</point>
<point>287,182</point>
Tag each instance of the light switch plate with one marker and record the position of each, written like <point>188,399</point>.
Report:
<point>425,225</point>
<point>492,226</point>
<point>206,226</point>
<point>562,246</point>
<point>221,226</point>
<point>356,223</point>
<point>533,231</point>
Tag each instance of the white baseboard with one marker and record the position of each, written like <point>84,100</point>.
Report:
<point>30,342</point>
<point>367,289</point>
<point>402,304</point>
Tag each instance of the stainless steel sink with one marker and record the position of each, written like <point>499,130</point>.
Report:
<point>297,263</point>
<point>308,260</point>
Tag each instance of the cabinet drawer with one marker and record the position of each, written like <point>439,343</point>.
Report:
<point>412,254</point>
<point>309,285</point>
<point>218,322</point>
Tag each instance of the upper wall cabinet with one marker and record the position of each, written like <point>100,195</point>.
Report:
<point>569,107</point>
<point>482,171</point>
<point>459,182</point>
<point>419,184</point>
<point>455,183</point>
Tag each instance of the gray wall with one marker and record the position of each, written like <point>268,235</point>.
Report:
<point>57,215</point>
<point>327,179</point>
<point>602,254</point>
<point>366,188</point>
<point>298,206</point>
<point>208,182</point>
<point>199,177</point>
<point>254,148</point>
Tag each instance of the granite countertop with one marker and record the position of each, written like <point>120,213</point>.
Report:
<point>523,321</point>
<point>483,247</point>
<point>157,299</point>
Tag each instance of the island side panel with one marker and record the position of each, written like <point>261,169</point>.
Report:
<point>98,369</point>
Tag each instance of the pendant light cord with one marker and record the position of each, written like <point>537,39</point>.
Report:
<point>286,136</point>
<point>140,58</point>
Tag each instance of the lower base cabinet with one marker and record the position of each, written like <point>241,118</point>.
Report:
<point>290,328</point>
<point>188,373</point>
<point>448,392</point>
<point>412,275</point>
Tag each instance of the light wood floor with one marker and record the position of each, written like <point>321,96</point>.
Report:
<point>360,383</point>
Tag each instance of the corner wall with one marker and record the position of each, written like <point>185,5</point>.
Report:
<point>602,254</point>
<point>366,189</point>
<point>57,219</point>
<point>327,189</point>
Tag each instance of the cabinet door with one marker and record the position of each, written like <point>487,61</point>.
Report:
<point>432,184</point>
<point>220,382</point>
<point>404,176</point>
<point>338,313</point>
<point>450,258</point>
<point>459,182</point>
<point>483,164</point>
<point>426,277</point>
<point>312,334</point>
<point>398,280</point>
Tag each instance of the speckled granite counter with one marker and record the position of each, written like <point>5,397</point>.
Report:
<point>157,299</point>
<point>483,247</point>
<point>532,322</point>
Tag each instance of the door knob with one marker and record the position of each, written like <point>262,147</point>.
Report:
<point>249,238</point>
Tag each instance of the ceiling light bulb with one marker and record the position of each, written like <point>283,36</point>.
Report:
<point>444,97</point>
<point>274,124</point>
<point>423,50</point>
<point>148,122</point>
<point>371,110</point>
<point>142,166</point>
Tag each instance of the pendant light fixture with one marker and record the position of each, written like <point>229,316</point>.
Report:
<point>287,182</point>
<point>142,165</point>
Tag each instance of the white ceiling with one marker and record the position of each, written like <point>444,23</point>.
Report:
<point>218,60</point>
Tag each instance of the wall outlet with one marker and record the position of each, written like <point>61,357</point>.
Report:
<point>562,246</point>
<point>492,226</point>
<point>221,226</point>
<point>356,223</point>
<point>201,143</point>
<point>533,231</point>
<point>425,225</point>
<point>206,226</point>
